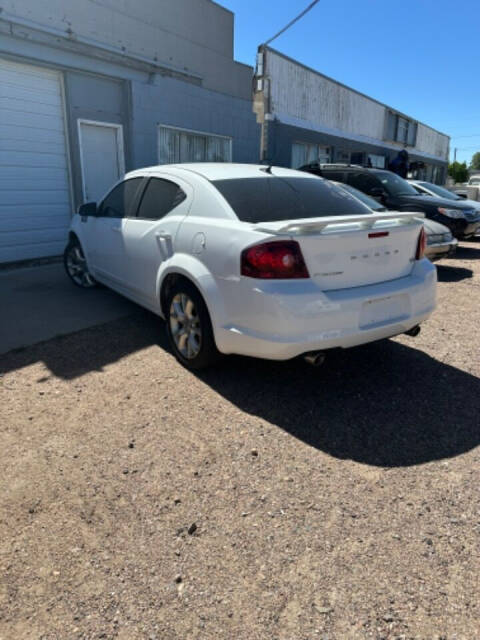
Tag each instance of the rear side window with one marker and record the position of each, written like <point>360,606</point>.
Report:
<point>119,201</point>
<point>160,197</point>
<point>268,199</point>
<point>363,182</point>
<point>338,176</point>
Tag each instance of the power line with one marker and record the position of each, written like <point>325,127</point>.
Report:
<point>292,22</point>
<point>474,135</point>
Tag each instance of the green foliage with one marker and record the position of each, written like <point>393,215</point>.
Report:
<point>458,171</point>
<point>475,163</point>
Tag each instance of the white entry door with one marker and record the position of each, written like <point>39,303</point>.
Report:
<point>102,157</point>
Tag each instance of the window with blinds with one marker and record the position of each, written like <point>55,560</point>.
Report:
<point>305,153</point>
<point>376,161</point>
<point>399,129</point>
<point>180,145</point>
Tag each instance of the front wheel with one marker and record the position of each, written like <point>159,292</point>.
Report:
<point>76,266</point>
<point>189,327</point>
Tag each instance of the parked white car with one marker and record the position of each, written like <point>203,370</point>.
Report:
<point>254,260</point>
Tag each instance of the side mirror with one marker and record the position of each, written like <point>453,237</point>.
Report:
<point>88,209</point>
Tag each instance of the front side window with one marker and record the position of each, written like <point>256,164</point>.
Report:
<point>363,181</point>
<point>179,145</point>
<point>395,185</point>
<point>274,198</point>
<point>118,203</point>
<point>160,197</point>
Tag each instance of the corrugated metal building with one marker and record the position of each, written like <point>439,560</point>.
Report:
<point>92,88</point>
<point>308,117</point>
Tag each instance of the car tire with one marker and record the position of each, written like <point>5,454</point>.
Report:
<point>189,327</point>
<point>76,266</point>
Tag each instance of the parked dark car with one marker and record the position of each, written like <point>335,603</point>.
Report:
<point>440,241</point>
<point>395,193</point>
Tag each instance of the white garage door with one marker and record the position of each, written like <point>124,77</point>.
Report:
<point>34,187</point>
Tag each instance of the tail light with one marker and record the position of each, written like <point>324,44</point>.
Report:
<point>274,260</point>
<point>422,242</point>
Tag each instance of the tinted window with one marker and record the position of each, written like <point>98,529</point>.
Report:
<point>419,190</point>
<point>363,182</point>
<point>273,198</point>
<point>160,197</point>
<point>395,185</point>
<point>440,191</point>
<point>119,201</point>
<point>370,202</point>
<point>339,176</point>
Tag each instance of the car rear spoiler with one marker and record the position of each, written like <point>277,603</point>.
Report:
<point>315,225</point>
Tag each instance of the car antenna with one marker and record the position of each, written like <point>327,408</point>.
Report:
<point>267,169</point>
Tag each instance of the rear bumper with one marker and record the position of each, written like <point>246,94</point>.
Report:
<point>441,250</point>
<point>282,320</point>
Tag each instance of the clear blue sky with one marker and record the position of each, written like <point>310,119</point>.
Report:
<point>421,57</point>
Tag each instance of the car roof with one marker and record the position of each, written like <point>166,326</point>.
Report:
<point>219,170</point>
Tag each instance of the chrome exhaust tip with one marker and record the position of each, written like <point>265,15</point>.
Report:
<point>414,331</point>
<point>316,358</point>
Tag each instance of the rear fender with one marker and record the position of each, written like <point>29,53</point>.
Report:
<point>191,268</point>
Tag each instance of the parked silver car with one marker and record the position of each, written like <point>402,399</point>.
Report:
<point>429,189</point>
<point>440,241</point>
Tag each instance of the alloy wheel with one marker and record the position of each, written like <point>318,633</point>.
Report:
<point>77,267</point>
<point>185,326</point>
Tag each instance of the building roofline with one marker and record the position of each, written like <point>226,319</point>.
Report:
<point>222,7</point>
<point>340,84</point>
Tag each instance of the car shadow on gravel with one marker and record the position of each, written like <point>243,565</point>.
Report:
<point>464,252</point>
<point>452,274</point>
<point>73,355</point>
<point>383,404</point>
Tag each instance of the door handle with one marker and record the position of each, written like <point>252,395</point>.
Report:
<point>163,235</point>
<point>165,244</point>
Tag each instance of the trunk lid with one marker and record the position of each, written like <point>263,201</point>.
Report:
<point>346,251</point>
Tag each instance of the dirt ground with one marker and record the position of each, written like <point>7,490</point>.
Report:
<point>256,501</point>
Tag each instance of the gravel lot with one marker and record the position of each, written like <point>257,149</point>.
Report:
<point>255,501</point>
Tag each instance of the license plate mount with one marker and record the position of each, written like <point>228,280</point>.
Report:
<point>384,311</point>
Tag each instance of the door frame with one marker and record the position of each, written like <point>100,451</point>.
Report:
<point>120,146</point>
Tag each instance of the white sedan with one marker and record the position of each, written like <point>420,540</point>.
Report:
<point>254,260</point>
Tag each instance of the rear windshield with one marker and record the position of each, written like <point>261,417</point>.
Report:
<point>268,199</point>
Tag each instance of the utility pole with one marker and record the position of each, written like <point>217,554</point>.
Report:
<point>455,154</point>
